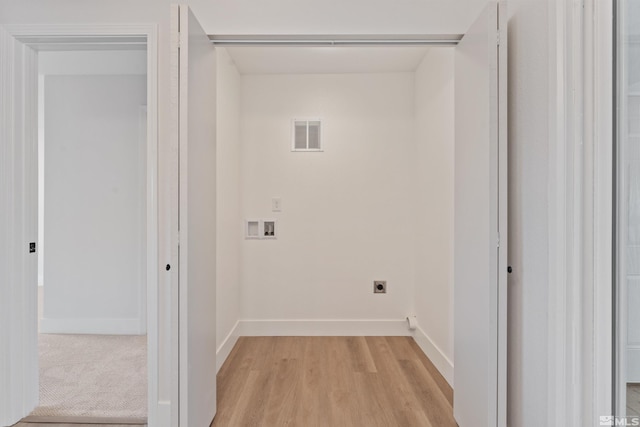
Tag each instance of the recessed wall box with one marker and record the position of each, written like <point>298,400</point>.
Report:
<point>379,286</point>
<point>270,229</point>
<point>252,229</point>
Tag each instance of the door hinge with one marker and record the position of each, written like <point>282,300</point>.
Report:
<point>498,241</point>
<point>176,39</point>
<point>498,38</point>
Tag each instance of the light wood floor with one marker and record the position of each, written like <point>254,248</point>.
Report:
<point>331,381</point>
<point>327,382</point>
<point>633,399</point>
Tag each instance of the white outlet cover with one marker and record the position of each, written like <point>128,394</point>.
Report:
<point>276,204</point>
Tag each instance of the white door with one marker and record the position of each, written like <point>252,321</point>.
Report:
<point>197,218</point>
<point>480,223</point>
<point>18,229</point>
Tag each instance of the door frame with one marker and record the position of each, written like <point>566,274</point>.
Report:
<point>580,174</point>
<point>599,126</point>
<point>620,286</point>
<point>34,36</point>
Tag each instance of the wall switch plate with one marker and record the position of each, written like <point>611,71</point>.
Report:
<point>379,286</point>
<point>276,204</point>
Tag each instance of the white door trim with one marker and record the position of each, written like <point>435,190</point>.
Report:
<point>503,212</point>
<point>565,256</point>
<point>600,127</point>
<point>596,322</point>
<point>40,35</point>
<point>558,212</point>
<point>580,212</point>
<point>621,294</point>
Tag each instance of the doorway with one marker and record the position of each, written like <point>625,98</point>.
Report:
<point>78,43</point>
<point>313,141</point>
<point>92,234</point>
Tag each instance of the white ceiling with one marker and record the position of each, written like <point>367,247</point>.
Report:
<point>326,60</point>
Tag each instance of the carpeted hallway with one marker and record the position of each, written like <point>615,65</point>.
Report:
<point>91,377</point>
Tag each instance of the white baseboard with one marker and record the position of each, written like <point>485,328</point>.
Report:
<point>92,326</point>
<point>437,357</point>
<point>300,327</point>
<point>227,345</point>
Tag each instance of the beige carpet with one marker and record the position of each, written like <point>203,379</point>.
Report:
<point>93,376</point>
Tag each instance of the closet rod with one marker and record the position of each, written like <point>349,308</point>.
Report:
<point>337,40</point>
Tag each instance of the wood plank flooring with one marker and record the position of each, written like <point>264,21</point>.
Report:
<point>327,382</point>
<point>331,381</point>
<point>633,399</point>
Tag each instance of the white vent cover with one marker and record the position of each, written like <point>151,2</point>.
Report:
<point>307,135</point>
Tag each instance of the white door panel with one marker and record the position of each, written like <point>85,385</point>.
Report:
<point>197,219</point>
<point>480,225</point>
<point>18,228</point>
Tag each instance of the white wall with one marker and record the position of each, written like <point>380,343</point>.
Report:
<point>94,204</point>
<point>347,215</point>
<point>433,166</point>
<point>81,62</point>
<point>229,224</point>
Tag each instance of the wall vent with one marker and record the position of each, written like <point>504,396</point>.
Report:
<point>307,135</point>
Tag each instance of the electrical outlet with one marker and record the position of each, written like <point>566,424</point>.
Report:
<point>379,286</point>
